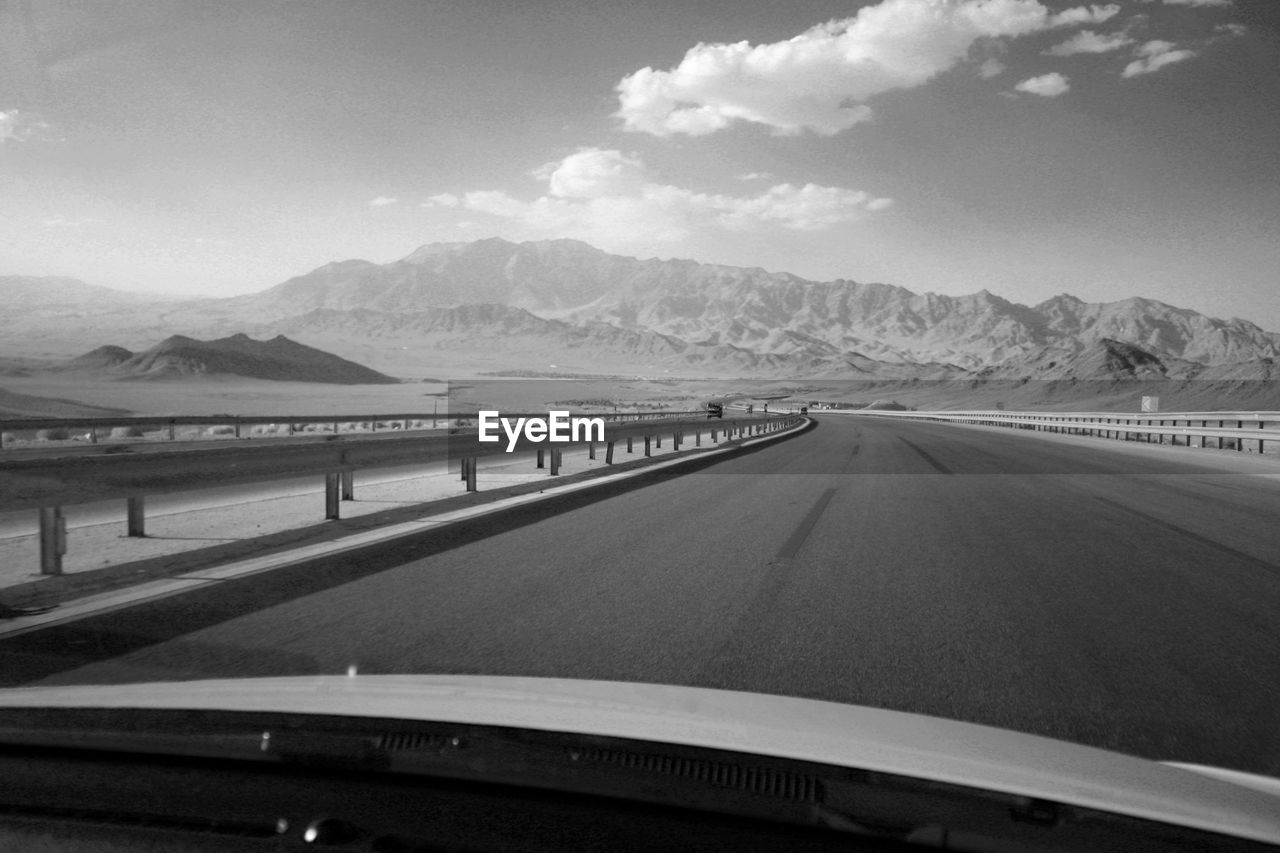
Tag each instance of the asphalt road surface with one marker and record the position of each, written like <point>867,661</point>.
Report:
<point>1086,590</point>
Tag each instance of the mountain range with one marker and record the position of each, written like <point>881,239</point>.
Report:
<point>563,306</point>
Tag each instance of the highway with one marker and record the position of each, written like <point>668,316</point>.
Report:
<point>1114,595</point>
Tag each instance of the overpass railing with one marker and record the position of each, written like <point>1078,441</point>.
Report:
<point>1241,431</point>
<point>17,433</point>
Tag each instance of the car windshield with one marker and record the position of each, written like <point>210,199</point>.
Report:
<point>909,354</point>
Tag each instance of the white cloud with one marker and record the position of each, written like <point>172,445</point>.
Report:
<point>442,200</point>
<point>991,68</point>
<point>1231,29</point>
<point>382,201</point>
<point>1087,41</point>
<point>605,197</point>
<point>821,79</point>
<point>1155,55</point>
<point>1085,15</point>
<point>21,126</point>
<point>594,173</point>
<point>1197,2</point>
<point>755,176</point>
<point>1046,85</point>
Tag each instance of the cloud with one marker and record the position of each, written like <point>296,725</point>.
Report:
<point>383,201</point>
<point>1046,85</point>
<point>22,126</point>
<point>1087,41</point>
<point>594,173</point>
<point>607,198</point>
<point>1197,2</point>
<point>820,80</point>
<point>991,68</point>
<point>1085,15</point>
<point>1231,29</point>
<point>442,200</point>
<point>1155,55</point>
<point>755,176</point>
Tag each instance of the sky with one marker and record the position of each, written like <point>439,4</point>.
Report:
<point>1028,147</point>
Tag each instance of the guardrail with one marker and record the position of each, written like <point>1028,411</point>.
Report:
<point>132,472</point>
<point>129,429</point>
<point>1249,433</point>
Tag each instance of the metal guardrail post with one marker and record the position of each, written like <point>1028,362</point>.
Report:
<point>697,438</point>
<point>542,458</point>
<point>470,464</point>
<point>332,481</point>
<point>608,453</point>
<point>591,450</point>
<point>555,461</point>
<point>629,448</point>
<point>647,450</point>
<point>171,430</point>
<point>53,540</point>
<point>136,524</point>
<point>348,485</point>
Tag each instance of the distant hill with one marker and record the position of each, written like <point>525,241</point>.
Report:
<point>99,359</point>
<point>41,292</point>
<point>180,357</point>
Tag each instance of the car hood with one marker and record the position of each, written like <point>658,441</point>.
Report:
<point>1211,799</point>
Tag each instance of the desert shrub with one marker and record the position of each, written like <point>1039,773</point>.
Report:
<point>126,432</point>
<point>54,434</point>
<point>225,429</point>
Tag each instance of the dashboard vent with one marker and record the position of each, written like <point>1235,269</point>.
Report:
<point>409,741</point>
<point>721,774</point>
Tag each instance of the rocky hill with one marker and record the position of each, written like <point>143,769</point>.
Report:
<point>180,357</point>
<point>102,358</point>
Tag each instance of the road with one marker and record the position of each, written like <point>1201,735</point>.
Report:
<point>1119,596</point>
